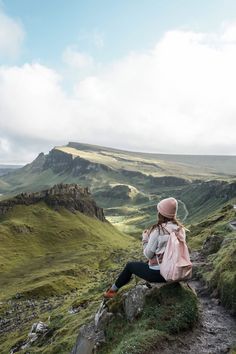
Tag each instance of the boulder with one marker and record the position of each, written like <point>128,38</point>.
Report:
<point>212,244</point>
<point>129,304</point>
<point>134,302</point>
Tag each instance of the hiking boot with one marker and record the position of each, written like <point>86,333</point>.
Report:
<point>109,294</point>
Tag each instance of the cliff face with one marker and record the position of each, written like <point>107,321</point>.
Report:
<point>70,196</point>
<point>61,162</point>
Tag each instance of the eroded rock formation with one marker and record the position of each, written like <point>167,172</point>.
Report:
<point>70,196</point>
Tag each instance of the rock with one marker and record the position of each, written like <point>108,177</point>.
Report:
<point>70,196</point>
<point>17,347</point>
<point>92,335</point>
<point>134,302</point>
<point>102,317</point>
<point>212,244</point>
<point>87,339</point>
<point>39,327</point>
<point>129,304</point>
<point>38,330</point>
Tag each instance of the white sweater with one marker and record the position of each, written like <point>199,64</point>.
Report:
<point>155,244</point>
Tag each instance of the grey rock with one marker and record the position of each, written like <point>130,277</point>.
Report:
<point>39,327</point>
<point>87,339</point>
<point>92,335</point>
<point>212,244</point>
<point>134,302</point>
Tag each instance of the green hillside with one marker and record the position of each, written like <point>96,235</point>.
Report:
<point>215,239</point>
<point>55,259</point>
<point>61,257</point>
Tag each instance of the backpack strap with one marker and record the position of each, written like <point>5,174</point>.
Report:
<point>174,231</point>
<point>166,230</point>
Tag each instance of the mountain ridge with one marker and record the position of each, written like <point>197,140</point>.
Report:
<point>72,197</point>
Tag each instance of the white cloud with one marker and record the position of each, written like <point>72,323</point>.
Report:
<point>11,36</point>
<point>178,97</point>
<point>76,59</point>
<point>229,33</point>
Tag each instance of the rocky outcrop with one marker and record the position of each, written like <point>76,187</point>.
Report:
<point>39,331</point>
<point>131,304</point>
<point>58,161</point>
<point>61,162</point>
<point>35,166</point>
<point>212,244</point>
<point>70,196</point>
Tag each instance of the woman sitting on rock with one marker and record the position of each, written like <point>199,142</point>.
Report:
<point>154,243</point>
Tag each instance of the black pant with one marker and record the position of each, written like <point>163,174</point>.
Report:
<point>140,269</point>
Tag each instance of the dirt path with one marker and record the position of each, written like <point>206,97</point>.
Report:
<point>214,334</point>
<point>185,209</point>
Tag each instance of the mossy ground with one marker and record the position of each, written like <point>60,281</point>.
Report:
<point>220,272</point>
<point>169,310</point>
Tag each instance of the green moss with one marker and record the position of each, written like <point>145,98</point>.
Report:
<point>172,308</point>
<point>168,310</point>
<point>223,275</point>
<point>220,271</point>
<point>140,342</point>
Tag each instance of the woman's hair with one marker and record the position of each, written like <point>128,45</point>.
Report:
<point>163,220</point>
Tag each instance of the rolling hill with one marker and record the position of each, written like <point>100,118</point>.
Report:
<point>58,252</point>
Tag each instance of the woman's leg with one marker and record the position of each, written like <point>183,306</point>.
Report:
<point>140,269</point>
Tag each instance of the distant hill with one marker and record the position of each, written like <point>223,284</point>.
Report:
<point>8,168</point>
<point>129,184</point>
<point>97,166</point>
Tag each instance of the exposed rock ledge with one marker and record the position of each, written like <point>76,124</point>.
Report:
<point>130,306</point>
<point>70,196</point>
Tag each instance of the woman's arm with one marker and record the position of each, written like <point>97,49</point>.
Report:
<point>150,245</point>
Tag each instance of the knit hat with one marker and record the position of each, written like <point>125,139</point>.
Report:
<point>168,207</point>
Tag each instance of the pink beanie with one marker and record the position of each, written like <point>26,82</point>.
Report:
<point>168,207</point>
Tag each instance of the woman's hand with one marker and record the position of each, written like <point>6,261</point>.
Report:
<point>145,235</point>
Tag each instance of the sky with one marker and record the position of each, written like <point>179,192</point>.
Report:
<point>154,76</point>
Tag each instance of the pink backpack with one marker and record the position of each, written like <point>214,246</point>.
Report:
<point>176,264</point>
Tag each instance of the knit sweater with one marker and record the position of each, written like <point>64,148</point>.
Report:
<point>154,244</point>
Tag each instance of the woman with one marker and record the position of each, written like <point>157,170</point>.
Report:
<point>154,244</point>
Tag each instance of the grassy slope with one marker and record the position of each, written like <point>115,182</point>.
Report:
<point>58,241</point>
<point>220,272</point>
<point>69,256</point>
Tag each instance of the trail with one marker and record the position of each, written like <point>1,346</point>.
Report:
<point>214,334</point>
<point>185,209</point>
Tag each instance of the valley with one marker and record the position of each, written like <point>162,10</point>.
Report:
<point>72,218</point>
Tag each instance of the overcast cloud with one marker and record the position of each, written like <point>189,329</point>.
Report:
<point>178,97</point>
